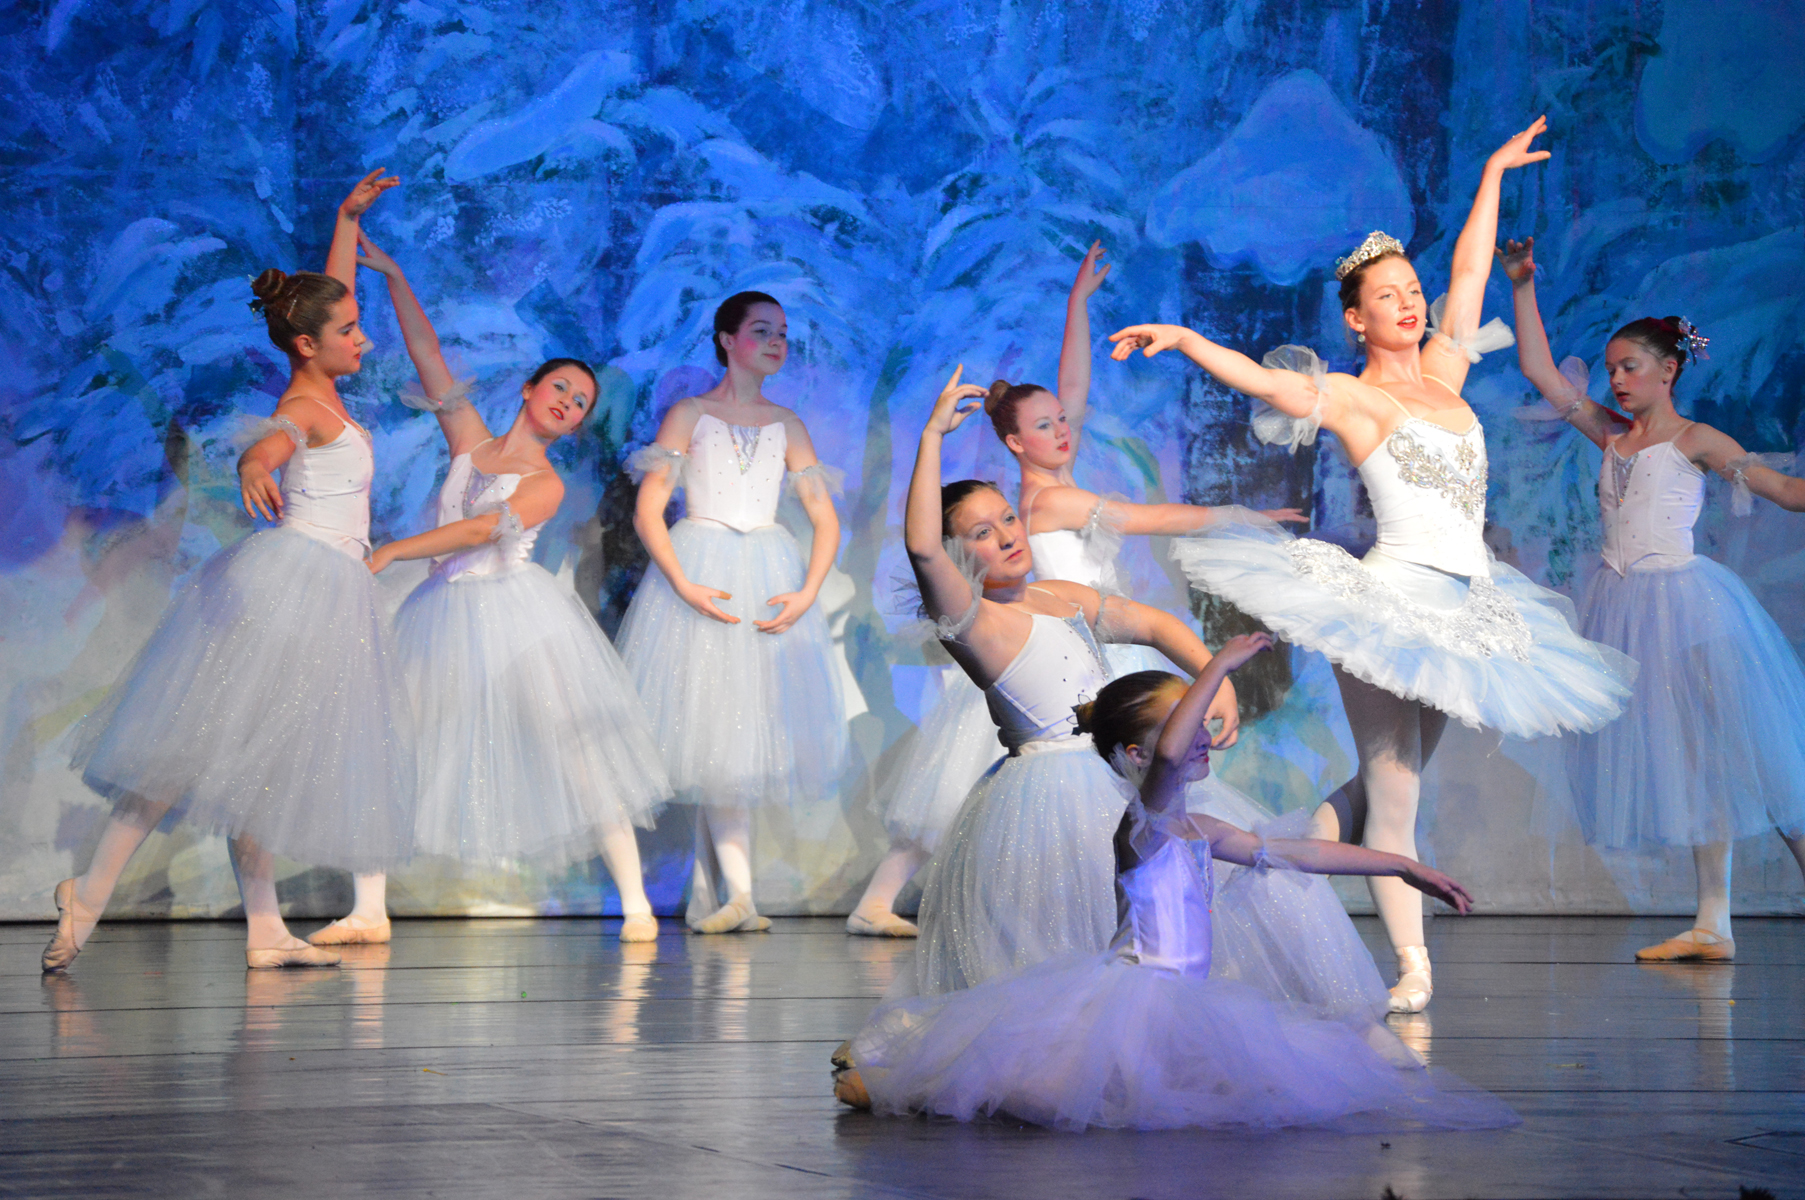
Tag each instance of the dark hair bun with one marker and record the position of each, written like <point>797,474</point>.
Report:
<point>1086,714</point>
<point>997,389</point>
<point>266,287</point>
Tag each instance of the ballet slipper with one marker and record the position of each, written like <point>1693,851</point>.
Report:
<point>350,931</point>
<point>300,954</point>
<point>735,916</point>
<point>849,1086</point>
<point>885,924</point>
<point>62,948</point>
<point>1687,947</point>
<point>1415,984</point>
<point>639,927</point>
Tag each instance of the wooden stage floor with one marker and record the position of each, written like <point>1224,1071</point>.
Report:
<point>524,1059</point>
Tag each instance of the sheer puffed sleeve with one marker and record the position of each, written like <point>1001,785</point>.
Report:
<point>818,479</point>
<point>457,396</point>
<point>283,425</point>
<point>648,459</point>
<point>1281,429</point>
<point>1493,335</point>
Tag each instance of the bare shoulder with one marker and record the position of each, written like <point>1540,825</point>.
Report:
<point>1061,506</point>
<point>1700,442</point>
<point>679,423</point>
<point>1074,594</point>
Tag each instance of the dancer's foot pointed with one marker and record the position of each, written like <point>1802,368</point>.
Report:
<point>1415,983</point>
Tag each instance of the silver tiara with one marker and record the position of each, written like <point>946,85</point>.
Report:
<point>1376,245</point>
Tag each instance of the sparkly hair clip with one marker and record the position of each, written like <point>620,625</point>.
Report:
<point>1694,341</point>
<point>1376,245</point>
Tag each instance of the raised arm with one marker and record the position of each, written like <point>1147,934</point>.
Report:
<point>534,502</point>
<point>1536,360</point>
<point>463,427</point>
<point>1291,392</point>
<point>1184,737</point>
<point>1125,620</point>
<point>944,589</point>
<point>341,260</point>
<point>1713,450</point>
<point>1075,351</point>
<point>818,502</point>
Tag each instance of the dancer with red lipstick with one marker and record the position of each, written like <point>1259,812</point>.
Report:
<point>1426,626</point>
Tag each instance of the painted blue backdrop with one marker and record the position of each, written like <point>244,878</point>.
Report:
<point>915,181</point>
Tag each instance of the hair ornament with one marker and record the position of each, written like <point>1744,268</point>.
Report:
<point>1694,341</point>
<point>1376,245</point>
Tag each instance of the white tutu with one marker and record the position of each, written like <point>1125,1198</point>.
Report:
<point>1096,1039</point>
<point>531,737</point>
<point>740,717</point>
<point>1282,932</point>
<point>1713,745</point>
<point>956,744</point>
<point>1500,652</point>
<point>1026,873</point>
<point>268,703</point>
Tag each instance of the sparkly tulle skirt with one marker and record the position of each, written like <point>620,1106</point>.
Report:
<point>1499,652</point>
<point>531,735</point>
<point>268,702</point>
<point>1712,747</point>
<point>943,761</point>
<point>740,717</point>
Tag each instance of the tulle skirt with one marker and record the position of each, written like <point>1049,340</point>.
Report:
<point>1284,932</point>
<point>740,717</point>
<point>1093,1039</point>
<point>1026,873</point>
<point>949,753</point>
<point>1713,745</point>
<point>1500,652</point>
<point>532,738</point>
<point>268,703</point>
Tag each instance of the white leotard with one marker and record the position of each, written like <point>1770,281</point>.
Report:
<point>1163,912</point>
<point>467,493</point>
<point>1057,668</point>
<point>326,489</point>
<point>1649,503</point>
<point>1427,486</point>
<point>734,474</point>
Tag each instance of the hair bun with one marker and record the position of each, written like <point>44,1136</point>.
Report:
<point>1086,714</point>
<point>998,387</point>
<point>266,287</point>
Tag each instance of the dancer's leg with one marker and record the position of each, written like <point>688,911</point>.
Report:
<point>729,830</point>
<point>873,916</point>
<point>1341,817</point>
<point>268,943</point>
<point>620,851</point>
<point>1709,937</point>
<point>368,920</point>
<point>1796,843</point>
<point>80,901</point>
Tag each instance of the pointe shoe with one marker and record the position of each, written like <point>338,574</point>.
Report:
<point>62,948</point>
<point>289,956</point>
<point>350,931</point>
<point>1415,984</point>
<point>735,916</point>
<point>1687,947</point>
<point>639,927</point>
<point>886,924</point>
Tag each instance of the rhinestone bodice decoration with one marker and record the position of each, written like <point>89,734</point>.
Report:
<point>735,473</point>
<point>1648,504</point>
<point>467,493</point>
<point>1427,486</point>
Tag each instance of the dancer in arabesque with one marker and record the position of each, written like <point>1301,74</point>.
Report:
<point>1712,747</point>
<point>267,705</point>
<point>533,745</point>
<point>1427,625</point>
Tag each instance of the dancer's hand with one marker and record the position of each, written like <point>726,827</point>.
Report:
<point>262,498</point>
<point>949,412</point>
<point>364,194</point>
<point>1148,339</point>
<point>1290,516</point>
<point>1431,882</point>
<point>380,558</point>
<point>794,604</point>
<point>1518,260</point>
<point>702,599</point>
<point>374,257</point>
<point>1516,152</point>
<point>1226,707</point>
<point>1090,275</point>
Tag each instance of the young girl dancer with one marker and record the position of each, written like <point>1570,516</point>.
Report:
<point>1426,626</point>
<point>532,741</point>
<point>266,706</point>
<point>1713,746</point>
<point>1140,1036</point>
<point>746,712</point>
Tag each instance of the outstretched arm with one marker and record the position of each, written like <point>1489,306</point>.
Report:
<point>1075,351</point>
<point>1534,357</point>
<point>463,428</point>
<point>1714,450</point>
<point>534,502</point>
<point>1060,507</point>
<point>341,260</point>
<point>1290,392</point>
<point>944,588</point>
<point>1327,858</point>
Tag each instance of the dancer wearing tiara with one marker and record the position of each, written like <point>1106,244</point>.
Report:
<point>1426,626</point>
<point>1141,1037</point>
<point>1712,747</point>
<point>266,705</point>
<point>747,712</point>
<point>532,741</point>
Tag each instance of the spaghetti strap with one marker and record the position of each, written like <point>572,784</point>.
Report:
<point>1394,400</point>
<point>345,419</point>
<point>1445,384</point>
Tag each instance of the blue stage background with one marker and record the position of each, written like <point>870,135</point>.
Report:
<point>916,182</point>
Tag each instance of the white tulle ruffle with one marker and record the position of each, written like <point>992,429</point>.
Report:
<point>945,759</point>
<point>1491,336</point>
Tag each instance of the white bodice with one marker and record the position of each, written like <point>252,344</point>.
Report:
<point>326,490</point>
<point>1163,912</point>
<point>1057,668</point>
<point>1427,486</point>
<point>467,493</point>
<point>1648,503</point>
<point>1065,554</point>
<point>734,474</point>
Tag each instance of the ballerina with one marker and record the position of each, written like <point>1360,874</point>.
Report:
<point>747,713</point>
<point>1426,626</point>
<point>532,740</point>
<point>266,705</point>
<point>1024,873</point>
<point>1711,748</point>
<point>1140,1036</point>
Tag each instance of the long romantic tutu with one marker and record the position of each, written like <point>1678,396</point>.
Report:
<point>1098,1040</point>
<point>946,757</point>
<point>268,703</point>
<point>1500,652</point>
<point>740,717</point>
<point>532,737</point>
<point>1284,932</point>
<point>1026,873</point>
<point>1711,748</point>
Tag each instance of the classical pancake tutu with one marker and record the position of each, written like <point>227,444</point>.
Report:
<point>532,737</point>
<point>1283,932</point>
<point>945,758</point>
<point>1093,1039</point>
<point>740,717</point>
<point>1500,652</point>
<point>268,702</point>
<point>1026,873</point>
<point>1711,748</point>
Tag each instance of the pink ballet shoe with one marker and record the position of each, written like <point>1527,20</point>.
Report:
<point>350,931</point>
<point>639,927</point>
<point>289,956</point>
<point>1415,983</point>
<point>62,948</point>
<point>735,916</point>
<point>1688,947</point>
<point>849,1086</point>
<point>886,924</point>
